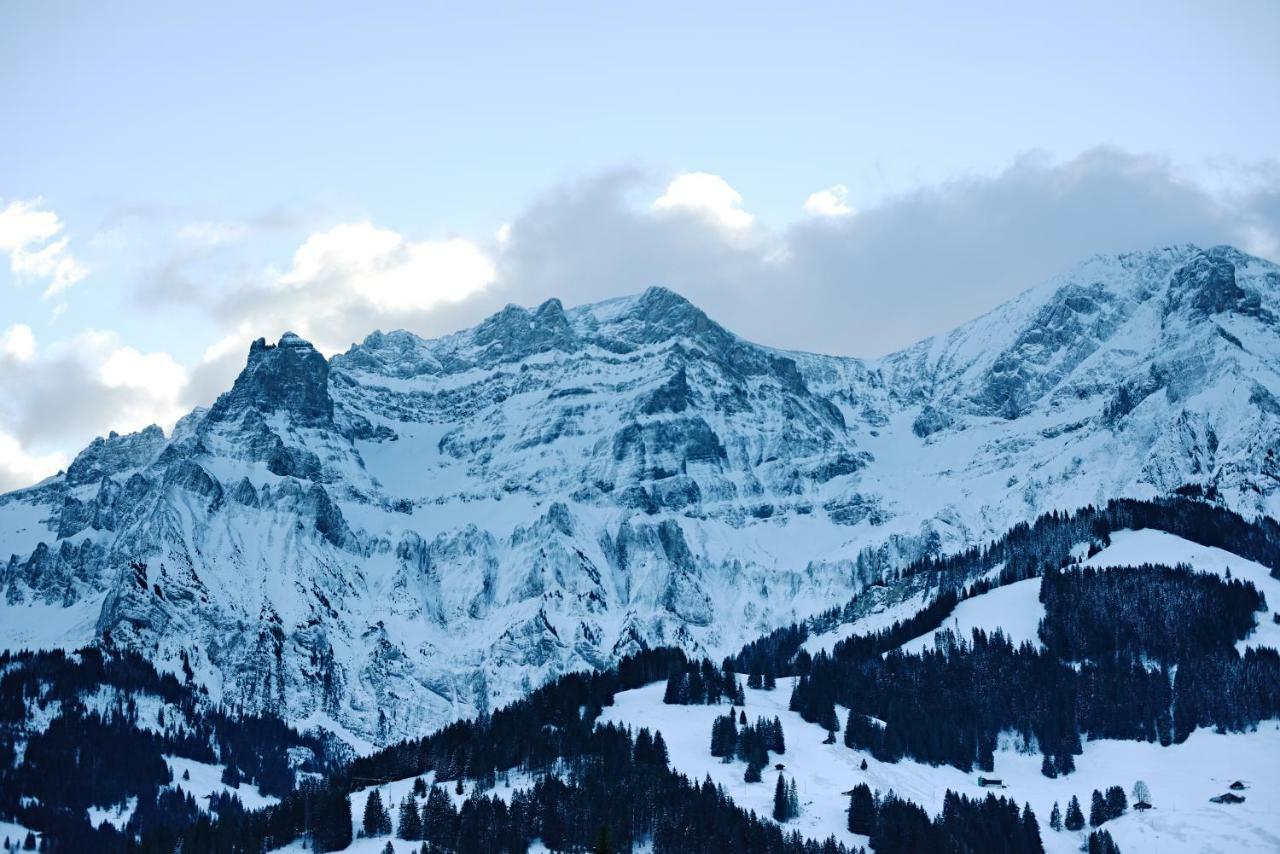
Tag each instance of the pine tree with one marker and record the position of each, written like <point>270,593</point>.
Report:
<point>1047,768</point>
<point>1100,842</point>
<point>390,849</point>
<point>1031,829</point>
<point>770,682</point>
<point>753,772</point>
<point>780,804</point>
<point>862,810</point>
<point>410,821</point>
<point>377,821</point>
<point>793,800</point>
<point>673,695</point>
<point>1116,802</point>
<point>1055,817</point>
<point>1075,815</point>
<point>1097,810</point>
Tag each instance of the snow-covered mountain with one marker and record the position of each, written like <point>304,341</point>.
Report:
<point>414,530</point>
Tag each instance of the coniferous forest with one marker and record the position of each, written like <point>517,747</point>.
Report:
<point>1148,654</point>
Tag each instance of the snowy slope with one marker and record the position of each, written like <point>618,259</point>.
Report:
<point>414,530</point>
<point>1182,777</point>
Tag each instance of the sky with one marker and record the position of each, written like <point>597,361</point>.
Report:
<point>178,179</point>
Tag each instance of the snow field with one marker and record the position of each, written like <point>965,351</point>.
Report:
<point>1182,777</point>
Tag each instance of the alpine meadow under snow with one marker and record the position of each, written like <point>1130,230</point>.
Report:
<point>369,557</point>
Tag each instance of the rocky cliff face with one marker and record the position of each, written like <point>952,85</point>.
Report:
<point>416,529</point>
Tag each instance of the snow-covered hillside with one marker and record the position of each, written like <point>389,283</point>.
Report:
<point>414,530</point>
<point>1181,777</point>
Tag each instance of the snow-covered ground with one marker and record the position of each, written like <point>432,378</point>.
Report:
<point>118,816</point>
<point>882,617</point>
<point>1015,609</point>
<point>1182,778</point>
<point>13,832</point>
<point>36,625</point>
<point>206,779</point>
<point>393,792</point>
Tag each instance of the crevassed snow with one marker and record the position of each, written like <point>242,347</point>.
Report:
<point>1181,777</point>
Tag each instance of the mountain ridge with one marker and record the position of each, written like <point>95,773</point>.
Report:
<point>415,529</point>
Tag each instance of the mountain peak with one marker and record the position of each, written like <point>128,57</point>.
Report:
<point>290,376</point>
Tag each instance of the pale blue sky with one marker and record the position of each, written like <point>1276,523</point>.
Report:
<point>188,153</point>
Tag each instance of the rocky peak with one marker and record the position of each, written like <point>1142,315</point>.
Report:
<point>1206,285</point>
<point>290,377</point>
<point>115,454</point>
<point>515,333</point>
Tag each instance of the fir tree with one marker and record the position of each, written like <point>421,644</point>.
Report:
<point>781,805</point>
<point>410,825</point>
<point>1116,802</point>
<point>862,810</point>
<point>1055,817</point>
<point>1097,810</point>
<point>1031,829</point>
<point>1075,815</point>
<point>377,820</point>
<point>1100,842</point>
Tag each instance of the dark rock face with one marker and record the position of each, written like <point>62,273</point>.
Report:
<point>291,377</point>
<point>930,421</point>
<point>1207,285</point>
<point>114,454</point>
<point>515,333</point>
<point>1062,334</point>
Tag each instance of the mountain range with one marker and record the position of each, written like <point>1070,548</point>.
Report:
<point>418,530</point>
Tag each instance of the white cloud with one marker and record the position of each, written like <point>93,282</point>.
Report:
<point>68,392</point>
<point>708,195</point>
<point>19,468</point>
<point>30,235</point>
<point>829,202</point>
<point>18,342</point>
<point>388,271</point>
